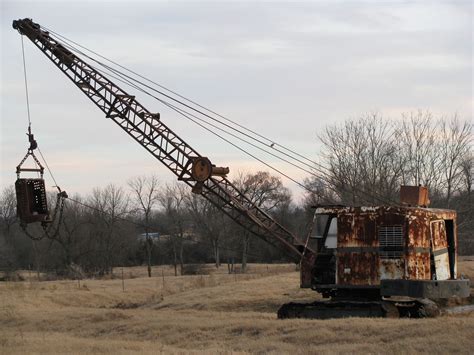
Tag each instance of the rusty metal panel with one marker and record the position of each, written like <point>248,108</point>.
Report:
<point>358,246</point>
<point>418,265</point>
<point>414,195</point>
<point>418,245</point>
<point>438,235</point>
<point>31,200</point>
<point>307,263</point>
<point>362,260</point>
<point>357,268</point>
<point>356,264</point>
<point>392,268</point>
<point>418,228</point>
<point>356,227</point>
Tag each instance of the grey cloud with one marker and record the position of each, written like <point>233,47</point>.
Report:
<point>284,69</point>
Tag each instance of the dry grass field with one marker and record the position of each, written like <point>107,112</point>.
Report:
<point>214,313</point>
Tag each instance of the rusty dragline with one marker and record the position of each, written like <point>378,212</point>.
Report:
<point>389,260</point>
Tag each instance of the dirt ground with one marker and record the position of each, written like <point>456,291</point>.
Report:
<point>214,313</point>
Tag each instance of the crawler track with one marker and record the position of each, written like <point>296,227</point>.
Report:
<point>422,308</point>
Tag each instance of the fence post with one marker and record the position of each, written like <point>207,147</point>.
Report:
<point>163,276</point>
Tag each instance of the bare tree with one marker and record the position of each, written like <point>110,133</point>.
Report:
<point>7,255</point>
<point>417,137</point>
<point>210,221</point>
<point>72,230</point>
<point>468,172</point>
<point>145,193</point>
<point>360,159</point>
<point>173,200</point>
<point>456,142</point>
<point>8,219</point>
<point>265,191</point>
<point>7,209</point>
<point>368,159</point>
<point>111,206</point>
<point>465,206</point>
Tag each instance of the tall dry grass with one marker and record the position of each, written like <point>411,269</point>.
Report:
<point>216,313</point>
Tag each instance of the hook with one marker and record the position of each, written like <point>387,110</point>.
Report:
<point>32,140</point>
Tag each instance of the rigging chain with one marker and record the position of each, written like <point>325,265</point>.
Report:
<point>60,202</point>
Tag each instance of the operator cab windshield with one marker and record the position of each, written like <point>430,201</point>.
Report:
<point>321,227</point>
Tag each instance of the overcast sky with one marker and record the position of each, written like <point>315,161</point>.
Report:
<point>283,69</point>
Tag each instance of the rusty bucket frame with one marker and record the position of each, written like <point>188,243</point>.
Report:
<point>31,195</point>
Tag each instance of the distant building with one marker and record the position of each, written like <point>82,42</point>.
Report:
<point>155,237</point>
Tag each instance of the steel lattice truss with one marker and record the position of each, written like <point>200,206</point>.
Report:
<point>151,133</point>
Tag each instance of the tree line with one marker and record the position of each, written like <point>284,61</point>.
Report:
<point>362,162</point>
<point>369,158</point>
<point>144,223</point>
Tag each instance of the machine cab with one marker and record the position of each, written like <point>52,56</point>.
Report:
<point>362,248</point>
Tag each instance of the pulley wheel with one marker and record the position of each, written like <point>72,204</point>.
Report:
<point>201,169</point>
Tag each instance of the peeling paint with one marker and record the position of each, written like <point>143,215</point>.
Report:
<point>361,260</point>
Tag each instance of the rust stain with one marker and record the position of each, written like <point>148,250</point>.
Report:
<point>438,233</point>
<point>392,268</point>
<point>357,268</point>
<point>418,266</point>
<point>357,228</point>
<point>359,260</point>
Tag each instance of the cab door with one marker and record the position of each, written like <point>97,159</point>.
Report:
<point>439,251</point>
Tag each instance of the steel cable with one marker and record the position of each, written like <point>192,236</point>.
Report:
<point>271,142</point>
<point>181,111</point>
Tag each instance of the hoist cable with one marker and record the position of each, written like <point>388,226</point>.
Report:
<point>26,82</point>
<point>33,145</point>
<point>186,114</point>
<point>237,137</point>
<point>326,181</point>
<point>28,107</point>
<point>182,111</point>
<point>200,112</point>
<point>229,142</point>
<point>61,196</point>
<point>127,80</point>
<point>271,143</point>
<point>47,167</point>
<point>216,134</point>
